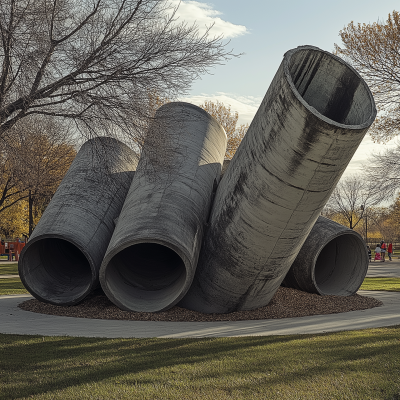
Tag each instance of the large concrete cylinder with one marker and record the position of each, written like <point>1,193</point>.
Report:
<point>310,122</point>
<point>61,262</point>
<point>333,261</point>
<point>152,256</point>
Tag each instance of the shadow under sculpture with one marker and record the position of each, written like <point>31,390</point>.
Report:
<point>153,253</point>
<point>310,122</point>
<point>332,261</point>
<point>60,264</point>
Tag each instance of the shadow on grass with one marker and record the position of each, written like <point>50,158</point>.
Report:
<point>11,286</point>
<point>32,366</point>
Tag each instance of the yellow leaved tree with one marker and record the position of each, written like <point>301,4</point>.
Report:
<point>32,166</point>
<point>228,119</point>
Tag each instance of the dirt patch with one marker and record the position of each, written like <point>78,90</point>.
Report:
<point>286,303</point>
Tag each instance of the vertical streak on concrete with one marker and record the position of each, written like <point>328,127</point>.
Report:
<point>152,256</point>
<point>61,262</point>
<point>332,261</point>
<point>311,121</point>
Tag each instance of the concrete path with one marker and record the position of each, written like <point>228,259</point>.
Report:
<point>16,321</point>
<point>8,276</point>
<point>387,269</point>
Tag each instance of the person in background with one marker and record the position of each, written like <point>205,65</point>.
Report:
<point>383,251</point>
<point>377,253</point>
<point>369,253</point>
<point>390,251</point>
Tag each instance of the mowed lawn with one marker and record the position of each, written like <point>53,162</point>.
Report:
<point>388,284</point>
<point>346,365</point>
<point>11,286</point>
<point>8,269</point>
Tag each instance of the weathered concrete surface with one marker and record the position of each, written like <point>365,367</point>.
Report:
<point>332,261</point>
<point>152,256</point>
<point>312,119</point>
<point>61,262</point>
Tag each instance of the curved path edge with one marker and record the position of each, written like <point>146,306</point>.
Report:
<point>13,320</point>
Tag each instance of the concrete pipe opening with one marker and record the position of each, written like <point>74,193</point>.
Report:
<point>145,277</point>
<point>56,271</point>
<point>330,86</point>
<point>340,266</point>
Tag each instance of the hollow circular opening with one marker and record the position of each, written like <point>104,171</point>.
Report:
<point>331,87</point>
<point>56,271</point>
<point>145,277</point>
<point>341,266</point>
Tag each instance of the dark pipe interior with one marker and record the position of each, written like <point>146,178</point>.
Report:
<point>57,271</point>
<point>146,276</point>
<point>341,266</point>
<point>330,87</point>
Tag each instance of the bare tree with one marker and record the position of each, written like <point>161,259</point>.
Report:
<point>351,199</point>
<point>374,50</point>
<point>384,170</point>
<point>95,61</point>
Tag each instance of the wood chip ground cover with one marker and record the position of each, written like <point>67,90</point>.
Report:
<point>286,303</point>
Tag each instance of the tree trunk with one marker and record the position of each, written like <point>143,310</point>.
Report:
<point>30,202</point>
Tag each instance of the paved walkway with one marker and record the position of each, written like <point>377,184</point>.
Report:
<point>13,320</point>
<point>16,321</point>
<point>387,269</point>
<point>8,276</point>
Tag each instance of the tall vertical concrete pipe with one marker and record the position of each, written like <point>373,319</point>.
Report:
<point>60,264</point>
<point>312,119</point>
<point>332,261</point>
<point>152,256</point>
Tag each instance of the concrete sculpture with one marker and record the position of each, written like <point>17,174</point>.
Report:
<point>242,233</point>
<point>312,119</point>
<point>332,261</point>
<point>153,253</point>
<point>61,262</point>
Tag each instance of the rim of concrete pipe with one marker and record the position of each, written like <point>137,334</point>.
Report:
<point>312,104</point>
<point>136,285</point>
<point>337,265</point>
<point>73,263</point>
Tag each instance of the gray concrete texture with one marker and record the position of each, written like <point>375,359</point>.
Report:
<point>152,256</point>
<point>333,261</point>
<point>311,121</point>
<point>61,262</point>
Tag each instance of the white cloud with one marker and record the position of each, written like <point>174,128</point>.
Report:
<point>246,106</point>
<point>364,152</point>
<point>204,15</point>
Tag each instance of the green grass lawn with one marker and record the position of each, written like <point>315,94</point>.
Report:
<point>345,365</point>
<point>9,269</point>
<point>11,286</point>
<point>388,284</point>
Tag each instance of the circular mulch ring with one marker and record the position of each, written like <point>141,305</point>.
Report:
<point>287,303</point>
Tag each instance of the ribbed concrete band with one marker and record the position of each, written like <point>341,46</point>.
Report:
<point>311,121</point>
<point>152,256</point>
<point>61,262</point>
<point>332,261</point>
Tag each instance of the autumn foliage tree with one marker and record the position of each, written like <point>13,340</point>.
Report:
<point>36,157</point>
<point>374,51</point>
<point>228,119</point>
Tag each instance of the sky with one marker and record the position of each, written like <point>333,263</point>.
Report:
<point>263,31</point>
